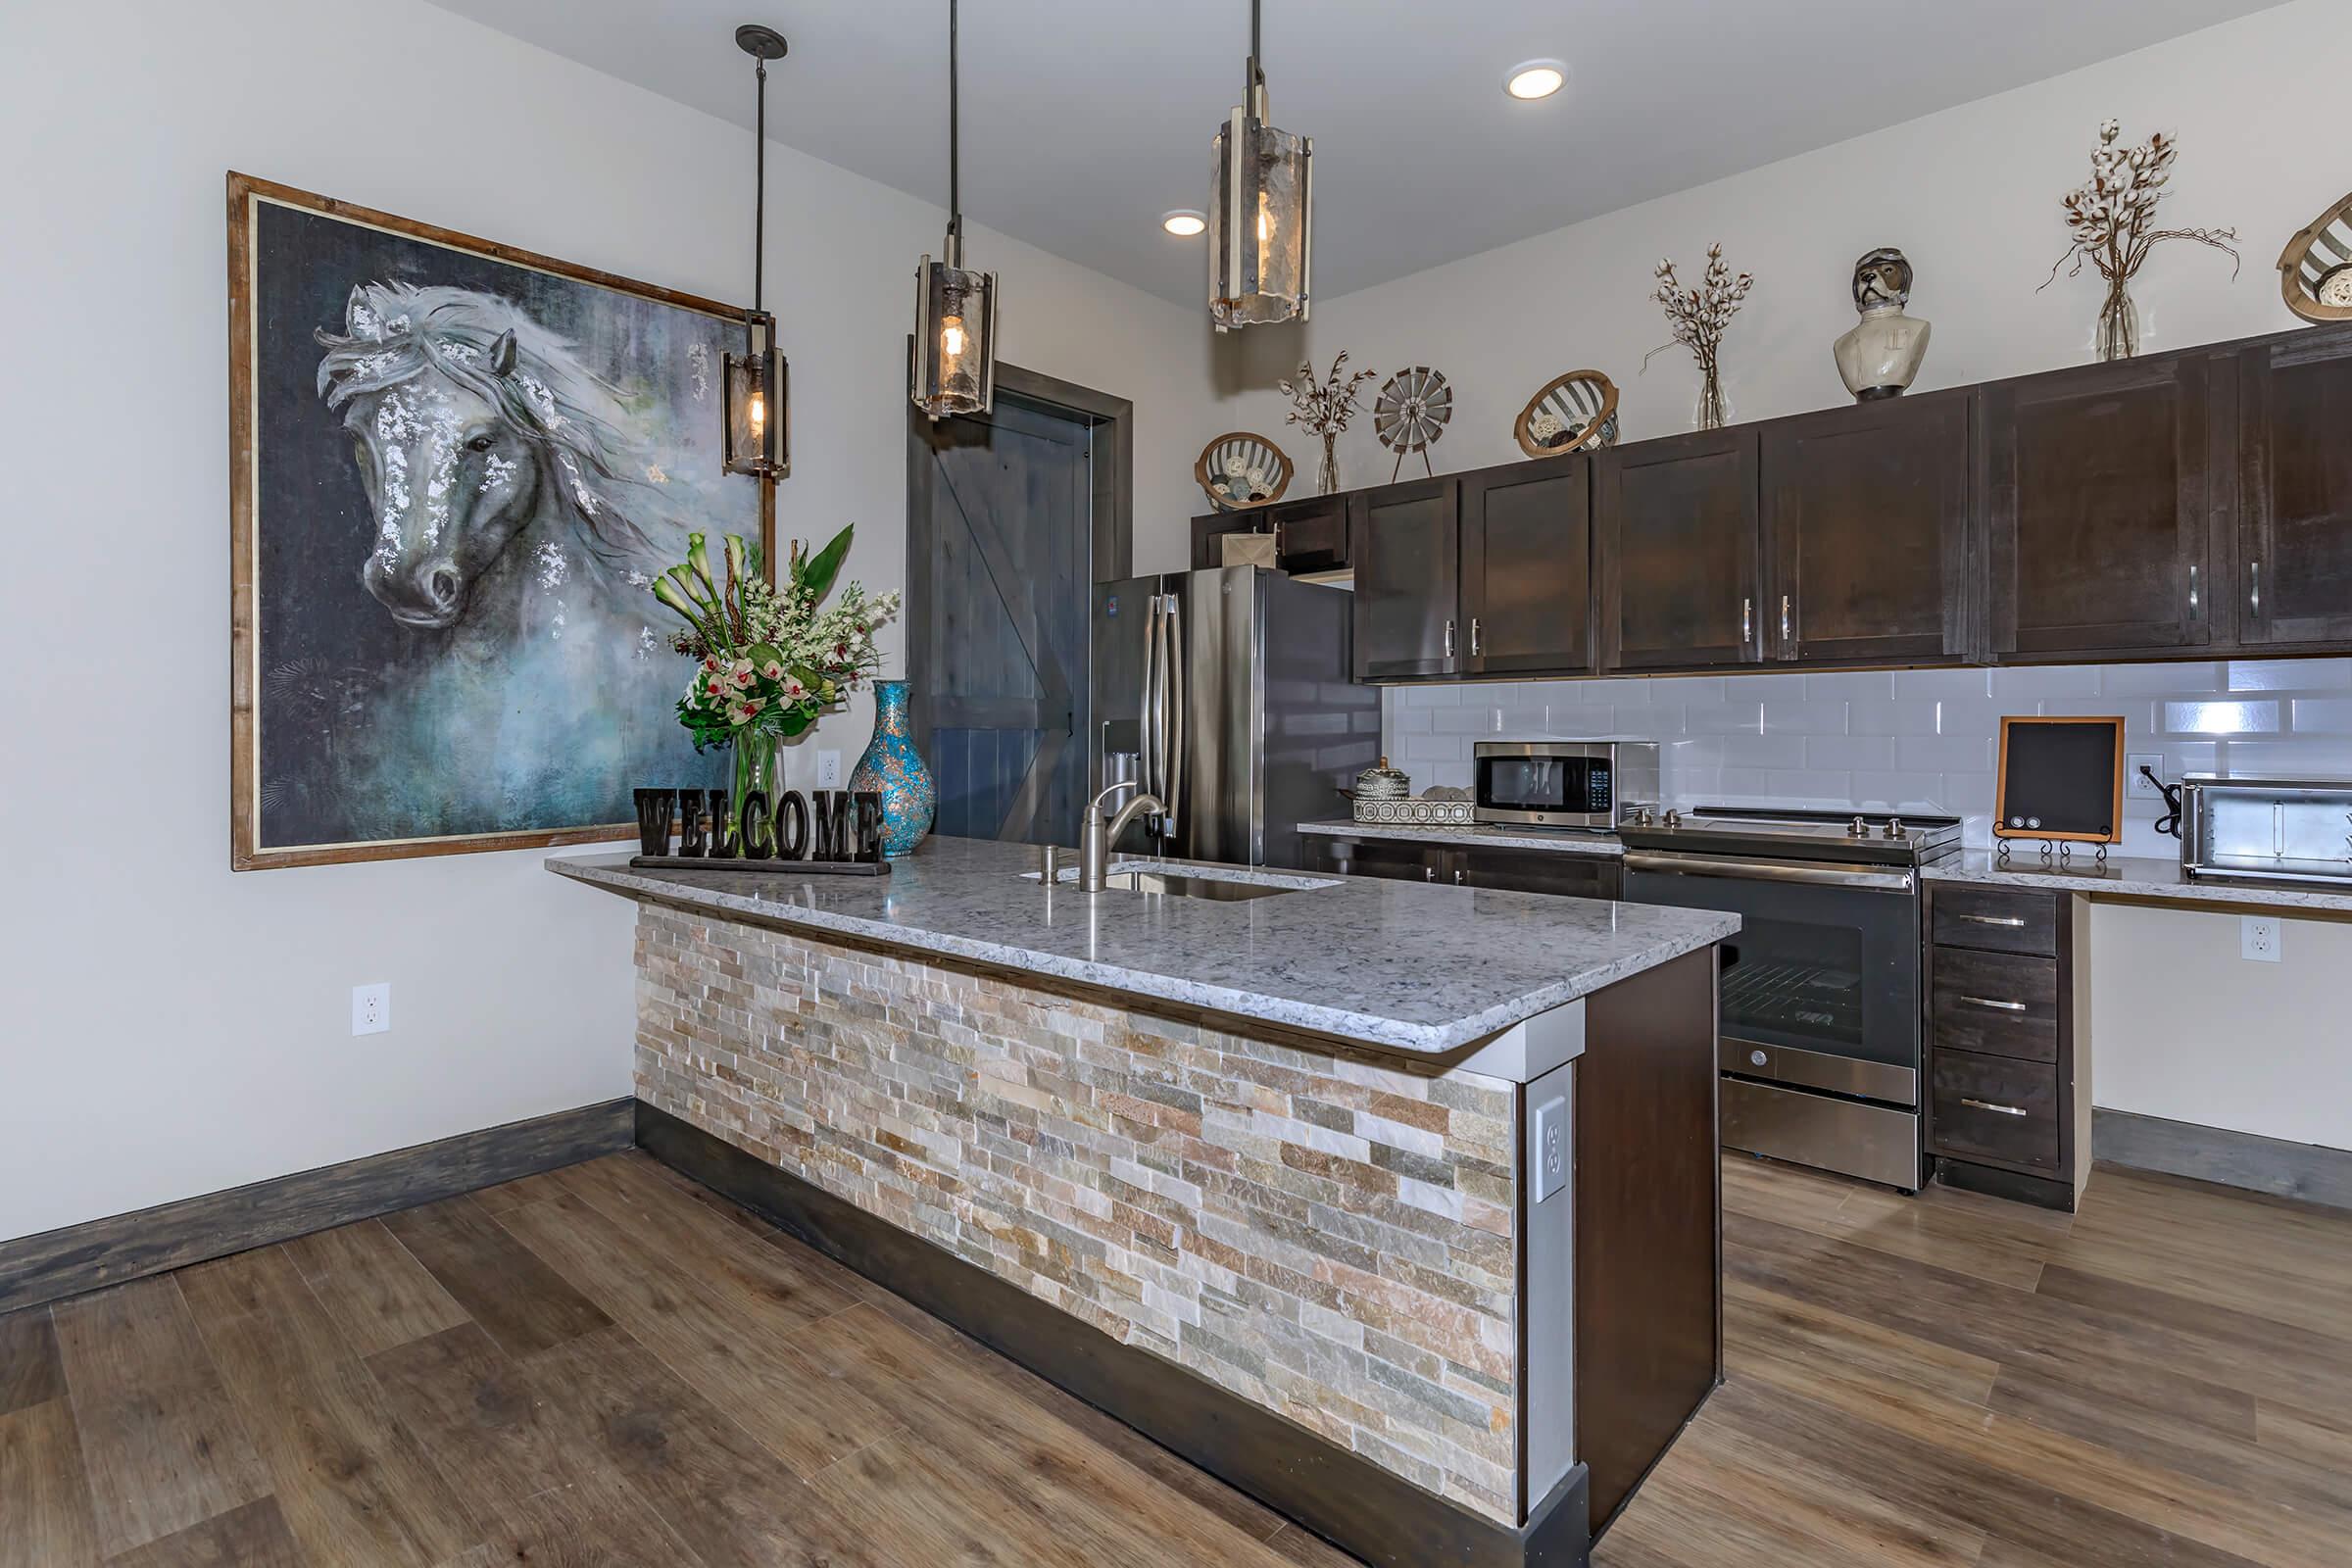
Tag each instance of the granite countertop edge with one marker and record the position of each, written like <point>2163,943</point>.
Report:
<point>2131,877</point>
<point>1340,1024</point>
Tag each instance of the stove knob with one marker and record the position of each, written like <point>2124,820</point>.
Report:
<point>1642,817</point>
<point>1894,827</point>
<point>1860,828</point>
<point>1674,819</point>
<point>1757,1058</point>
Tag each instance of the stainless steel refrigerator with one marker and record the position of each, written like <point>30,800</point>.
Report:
<point>1229,692</point>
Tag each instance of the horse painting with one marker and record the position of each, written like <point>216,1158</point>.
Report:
<point>457,637</point>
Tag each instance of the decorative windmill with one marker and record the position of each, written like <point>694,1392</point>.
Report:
<point>1410,414</point>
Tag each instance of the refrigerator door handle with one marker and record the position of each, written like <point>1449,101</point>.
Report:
<point>1172,692</point>
<point>1149,709</point>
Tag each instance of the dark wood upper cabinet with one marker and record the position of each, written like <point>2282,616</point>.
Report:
<point>2098,497</point>
<point>1681,558</point>
<point>1526,568</point>
<point>2295,518</point>
<point>1310,535</point>
<point>1407,580</point>
<point>1866,514</point>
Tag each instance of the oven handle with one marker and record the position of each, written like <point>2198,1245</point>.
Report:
<point>1828,876</point>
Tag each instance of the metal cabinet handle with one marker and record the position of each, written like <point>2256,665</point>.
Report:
<point>1747,622</point>
<point>1986,1104</point>
<point>1474,639</point>
<point>1997,1006</point>
<point>1459,877</point>
<point>2193,590</point>
<point>1784,618</point>
<point>2254,599</point>
<point>1448,636</point>
<point>1429,873</point>
<point>1995,919</point>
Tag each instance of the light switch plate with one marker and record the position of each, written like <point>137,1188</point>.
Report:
<point>2135,785</point>
<point>1550,1153</point>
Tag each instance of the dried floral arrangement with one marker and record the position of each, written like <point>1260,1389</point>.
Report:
<point>2112,221</point>
<point>1322,409</point>
<point>1698,317</point>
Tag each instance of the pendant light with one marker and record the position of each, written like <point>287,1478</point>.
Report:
<point>1261,221</point>
<point>754,408</point>
<point>953,369</point>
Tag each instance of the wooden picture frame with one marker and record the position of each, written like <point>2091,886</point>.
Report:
<point>249,199</point>
<point>2002,794</point>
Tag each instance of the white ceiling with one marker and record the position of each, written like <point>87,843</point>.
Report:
<point>1085,120</point>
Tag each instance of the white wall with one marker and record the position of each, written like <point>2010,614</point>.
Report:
<point>170,1028</point>
<point>1971,195</point>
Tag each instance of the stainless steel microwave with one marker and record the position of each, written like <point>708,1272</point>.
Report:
<point>1588,784</point>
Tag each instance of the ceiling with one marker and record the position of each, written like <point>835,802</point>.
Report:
<point>1085,120</point>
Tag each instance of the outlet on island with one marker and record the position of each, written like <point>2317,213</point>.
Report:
<point>2258,939</point>
<point>372,1009</point>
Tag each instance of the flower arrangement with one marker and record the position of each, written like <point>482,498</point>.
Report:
<point>769,661</point>
<point>2111,223</point>
<point>1322,409</point>
<point>1698,317</point>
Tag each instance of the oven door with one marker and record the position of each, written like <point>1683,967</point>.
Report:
<point>1820,985</point>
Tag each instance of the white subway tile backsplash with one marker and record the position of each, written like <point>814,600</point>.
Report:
<point>1874,752</point>
<point>1900,740</point>
<point>1941,753</point>
<point>1808,718</point>
<point>2321,715</point>
<point>2257,717</point>
<point>2290,674</point>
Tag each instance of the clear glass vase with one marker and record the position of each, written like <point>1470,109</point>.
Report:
<point>1327,472</point>
<point>2118,336</point>
<point>756,770</point>
<point>1714,410</point>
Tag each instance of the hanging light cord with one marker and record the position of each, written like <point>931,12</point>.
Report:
<point>1258,73</point>
<point>759,200</point>
<point>955,151</point>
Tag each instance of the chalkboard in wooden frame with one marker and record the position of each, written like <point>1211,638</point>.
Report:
<point>2061,778</point>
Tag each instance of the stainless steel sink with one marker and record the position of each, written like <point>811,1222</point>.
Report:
<point>1217,889</point>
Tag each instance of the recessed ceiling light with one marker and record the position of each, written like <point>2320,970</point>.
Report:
<point>1535,79</point>
<point>1184,222</point>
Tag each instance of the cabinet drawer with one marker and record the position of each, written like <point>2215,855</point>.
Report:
<point>1395,859</point>
<point>1575,876</point>
<point>1995,1108</point>
<point>1997,919</point>
<point>1999,1004</point>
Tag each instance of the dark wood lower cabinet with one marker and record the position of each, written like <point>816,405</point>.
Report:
<point>1562,873</point>
<point>2008,1058</point>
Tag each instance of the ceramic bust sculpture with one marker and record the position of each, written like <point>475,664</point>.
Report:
<point>1881,356</point>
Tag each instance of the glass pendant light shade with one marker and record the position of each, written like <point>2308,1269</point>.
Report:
<point>1261,221</point>
<point>952,366</point>
<point>758,403</point>
<point>955,337</point>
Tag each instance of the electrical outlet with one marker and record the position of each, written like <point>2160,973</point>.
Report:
<point>2136,784</point>
<point>2258,938</point>
<point>372,1009</point>
<point>828,770</point>
<point>1551,1147</point>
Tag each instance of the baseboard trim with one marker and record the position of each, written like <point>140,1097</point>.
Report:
<point>1340,1497</point>
<point>75,1258</point>
<point>2310,1172</point>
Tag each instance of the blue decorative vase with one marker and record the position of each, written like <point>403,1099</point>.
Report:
<point>892,769</point>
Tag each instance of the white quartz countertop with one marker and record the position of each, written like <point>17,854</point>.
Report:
<point>1411,966</point>
<point>2128,878</point>
<point>1560,841</point>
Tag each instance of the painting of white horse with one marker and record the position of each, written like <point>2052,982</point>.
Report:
<point>465,471</point>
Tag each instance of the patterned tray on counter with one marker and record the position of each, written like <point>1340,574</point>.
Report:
<point>1420,810</point>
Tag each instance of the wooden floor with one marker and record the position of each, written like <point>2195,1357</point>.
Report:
<point>608,1366</point>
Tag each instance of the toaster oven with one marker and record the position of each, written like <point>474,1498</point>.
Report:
<point>2281,830</point>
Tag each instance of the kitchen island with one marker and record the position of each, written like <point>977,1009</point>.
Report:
<point>1255,1161</point>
